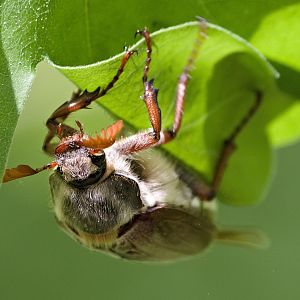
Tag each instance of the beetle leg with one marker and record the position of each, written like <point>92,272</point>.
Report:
<point>170,134</point>
<point>78,101</point>
<point>229,144</point>
<point>145,33</point>
<point>145,140</point>
<point>208,191</point>
<point>124,61</point>
<point>150,93</point>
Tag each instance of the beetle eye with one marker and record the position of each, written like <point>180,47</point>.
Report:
<point>99,160</point>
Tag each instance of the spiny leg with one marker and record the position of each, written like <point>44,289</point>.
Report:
<point>56,123</point>
<point>169,135</point>
<point>124,61</point>
<point>229,145</point>
<point>156,137</point>
<point>145,33</point>
<point>150,95</point>
<point>59,116</point>
<point>78,101</point>
<point>145,140</point>
<point>206,191</point>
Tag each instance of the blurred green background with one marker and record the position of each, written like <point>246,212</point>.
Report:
<point>38,261</point>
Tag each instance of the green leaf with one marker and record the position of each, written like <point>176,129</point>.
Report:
<point>20,52</point>
<point>102,28</point>
<point>277,37</point>
<point>227,74</point>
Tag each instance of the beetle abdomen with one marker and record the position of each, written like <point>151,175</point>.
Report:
<point>163,234</point>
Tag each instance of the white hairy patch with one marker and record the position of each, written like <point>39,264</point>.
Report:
<point>160,183</point>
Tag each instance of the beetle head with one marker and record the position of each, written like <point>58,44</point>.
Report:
<point>80,167</point>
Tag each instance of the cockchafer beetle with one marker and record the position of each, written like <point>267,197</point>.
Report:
<point>123,197</point>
